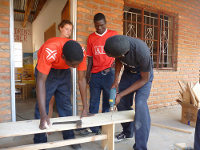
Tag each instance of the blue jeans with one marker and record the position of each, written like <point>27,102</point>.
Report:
<point>100,82</point>
<point>141,124</point>
<point>197,133</point>
<point>58,83</point>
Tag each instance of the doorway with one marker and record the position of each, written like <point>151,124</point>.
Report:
<point>32,27</point>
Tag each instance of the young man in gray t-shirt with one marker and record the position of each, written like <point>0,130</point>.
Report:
<point>137,78</point>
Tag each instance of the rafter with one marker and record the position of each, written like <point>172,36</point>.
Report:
<point>22,12</point>
<point>39,7</point>
<point>28,8</point>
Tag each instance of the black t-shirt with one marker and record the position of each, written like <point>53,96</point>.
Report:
<point>138,59</point>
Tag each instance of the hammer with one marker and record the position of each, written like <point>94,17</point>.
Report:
<point>77,122</point>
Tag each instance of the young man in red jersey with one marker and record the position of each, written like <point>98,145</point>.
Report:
<point>53,77</point>
<point>100,75</point>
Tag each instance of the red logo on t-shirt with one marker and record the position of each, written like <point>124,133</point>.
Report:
<point>51,54</point>
<point>99,50</point>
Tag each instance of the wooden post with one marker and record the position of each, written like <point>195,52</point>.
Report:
<point>109,130</point>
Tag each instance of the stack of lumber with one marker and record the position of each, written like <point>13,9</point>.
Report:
<point>189,93</point>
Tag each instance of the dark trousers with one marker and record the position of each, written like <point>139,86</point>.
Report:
<point>141,124</point>
<point>58,83</point>
<point>197,133</point>
<point>100,81</point>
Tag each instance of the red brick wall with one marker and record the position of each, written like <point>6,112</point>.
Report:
<point>112,9</point>
<point>5,108</point>
<point>165,88</point>
<point>165,85</point>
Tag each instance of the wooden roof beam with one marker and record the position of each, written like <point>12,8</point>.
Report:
<point>41,3</point>
<point>17,11</point>
<point>28,8</point>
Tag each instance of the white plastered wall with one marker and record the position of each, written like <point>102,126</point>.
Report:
<point>23,35</point>
<point>50,13</point>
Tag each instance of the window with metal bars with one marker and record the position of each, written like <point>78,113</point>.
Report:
<point>156,29</point>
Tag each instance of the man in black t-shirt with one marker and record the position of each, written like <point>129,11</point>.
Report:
<point>136,79</point>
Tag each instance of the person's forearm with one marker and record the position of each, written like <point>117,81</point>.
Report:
<point>83,88</point>
<point>41,93</point>
<point>118,66</point>
<point>89,67</point>
<point>41,96</point>
<point>83,92</point>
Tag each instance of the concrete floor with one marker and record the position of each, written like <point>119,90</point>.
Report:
<point>160,138</point>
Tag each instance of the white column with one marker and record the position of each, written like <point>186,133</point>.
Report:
<point>74,19</point>
<point>12,65</point>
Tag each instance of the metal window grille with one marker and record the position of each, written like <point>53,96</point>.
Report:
<point>156,29</point>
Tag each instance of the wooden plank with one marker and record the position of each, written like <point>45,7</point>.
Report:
<point>65,14</point>
<point>18,11</point>
<point>196,90</point>
<point>182,146</point>
<point>180,98</point>
<point>28,127</point>
<point>186,96</point>
<point>192,98</point>
<point>59,143</point>
<point>39,8</point>
<point>109,130</point>
<point>184,92</point>
<point>182,85</point>
<point>171,128</point>
<point>28,8</point>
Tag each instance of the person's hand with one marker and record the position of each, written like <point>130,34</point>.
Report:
<point>44,122</point>
<point>113,65</point>
<point>85,113</point>
<point>115,85</point>
<point>118,98</point>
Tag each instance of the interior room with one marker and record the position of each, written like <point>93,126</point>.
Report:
<point>32,27</point>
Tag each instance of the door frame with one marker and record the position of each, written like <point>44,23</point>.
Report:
<point>73,4</point>
<point>12,65</point>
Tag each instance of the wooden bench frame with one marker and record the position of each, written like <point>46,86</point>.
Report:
<point>106,120</point>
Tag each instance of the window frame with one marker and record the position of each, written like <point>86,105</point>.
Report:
<point>174,17</point>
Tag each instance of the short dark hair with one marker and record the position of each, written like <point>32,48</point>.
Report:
<point>99,16</point>
<point>72,51</point>
<point>63,23</point>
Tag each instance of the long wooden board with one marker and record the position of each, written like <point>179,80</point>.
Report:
<point>59,143</point>
<point>28,127</point>
<point>171,128</point>
<point>196,90</point>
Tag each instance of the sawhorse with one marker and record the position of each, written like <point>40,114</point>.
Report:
<point>106,120</point>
